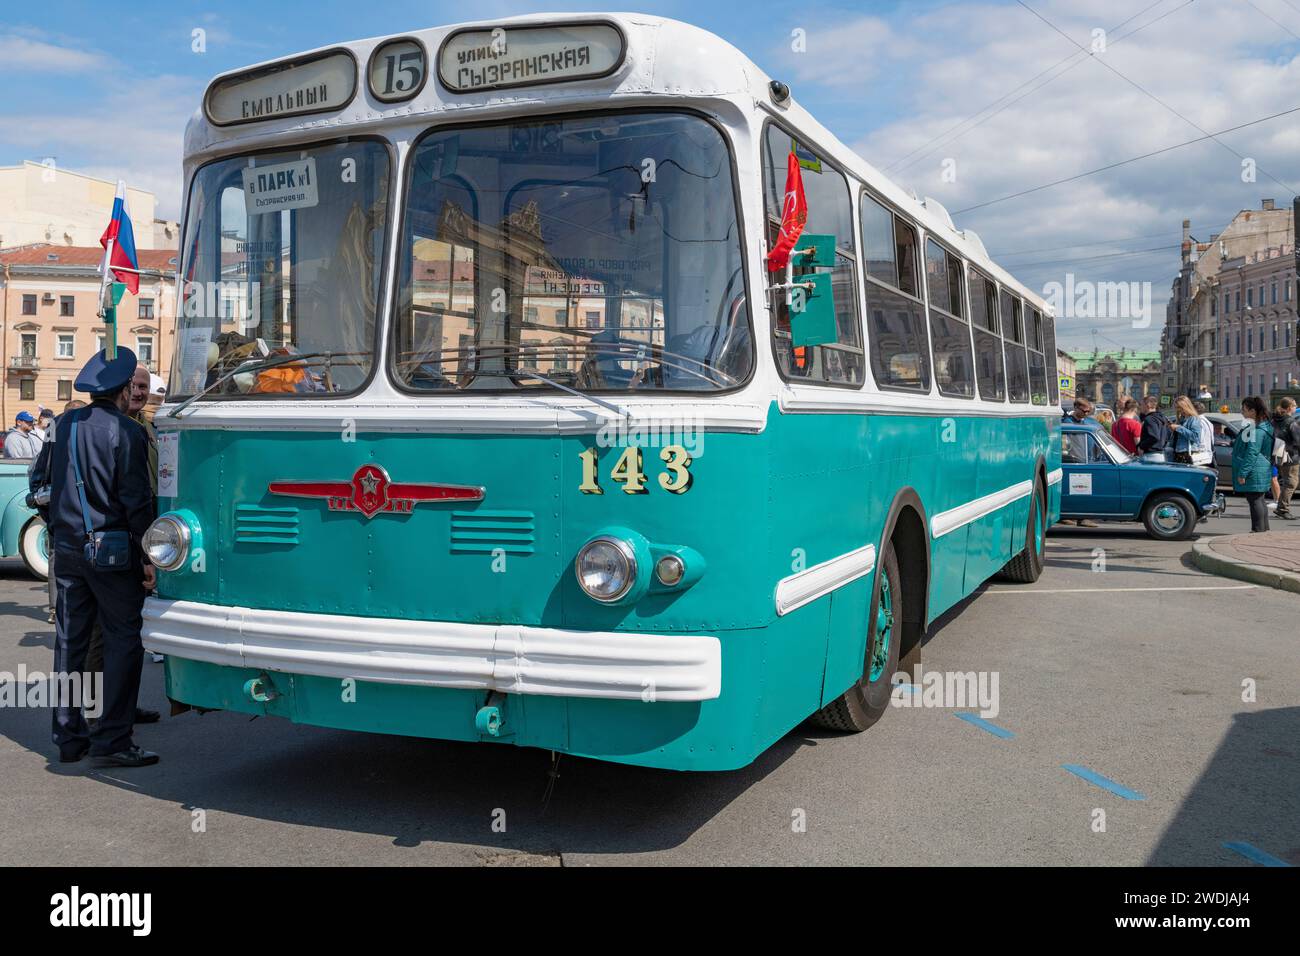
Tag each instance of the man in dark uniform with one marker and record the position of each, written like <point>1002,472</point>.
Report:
<point>113,459</point>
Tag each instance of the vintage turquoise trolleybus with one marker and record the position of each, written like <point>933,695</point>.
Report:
<point>494,417</point>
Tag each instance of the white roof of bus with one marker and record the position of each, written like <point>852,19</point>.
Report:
<point>665,57</point>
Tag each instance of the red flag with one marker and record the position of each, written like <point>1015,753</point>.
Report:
<point>794,216</point>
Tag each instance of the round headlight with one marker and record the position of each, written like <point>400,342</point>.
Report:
<point>606,569</point>
<point>167,543</point>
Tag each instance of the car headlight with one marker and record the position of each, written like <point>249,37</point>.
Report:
<point>167,543</point>
<point>606,568</point>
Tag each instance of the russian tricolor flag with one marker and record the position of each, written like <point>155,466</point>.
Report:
<point>118,241</point>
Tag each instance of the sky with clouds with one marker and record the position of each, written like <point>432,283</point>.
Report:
<point>964,102</point>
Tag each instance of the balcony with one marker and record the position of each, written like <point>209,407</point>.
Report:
<point>25,363</point>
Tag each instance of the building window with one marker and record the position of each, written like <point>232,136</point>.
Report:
<point>1287,329</point>
<point>28,343</point>
<point>1250,341</point>
<point>1273,294</point>
<point>593,320</point>
<point>66,305</point>
<point>29,304</point>
<point>1238,300</point>
<point>65,390</point>
<point>146,308</point>
<point>100,342</point>
<point>1250,298</point>
<point>65,348</point>
<point>27,390</point>
<point>144,348</point>
<point>1286,290</point>
<point>1275,337</point>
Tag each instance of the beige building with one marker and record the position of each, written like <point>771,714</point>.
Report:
<point>1067,369</point>
<point>1257,328</point>
<point>50,327</point>
<point>1191,350</point>
<point>43,203</point>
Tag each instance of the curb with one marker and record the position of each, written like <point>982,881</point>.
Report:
<point>1209,560</point>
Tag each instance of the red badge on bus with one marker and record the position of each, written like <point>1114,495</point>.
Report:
<point>371,491</point>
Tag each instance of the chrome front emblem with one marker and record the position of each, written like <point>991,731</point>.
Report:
<point>371,492</point>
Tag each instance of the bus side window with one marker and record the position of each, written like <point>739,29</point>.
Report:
<point>989,367</point>
<point>830,211</point>
<point>900,350</point>
<point>1013,338</point>
<point>1049,352</point>
<point>949,335</point>
<point>1037,361</point>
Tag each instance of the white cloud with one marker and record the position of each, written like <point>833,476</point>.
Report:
<point>1217,64</point>
<point>838,55</point>
<point>26,53</point>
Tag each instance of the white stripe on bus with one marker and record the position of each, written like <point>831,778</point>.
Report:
<point>805,586</point>
<point>946,522</point>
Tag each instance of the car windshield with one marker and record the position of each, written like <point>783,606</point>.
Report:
<point>281,257</point>
<point>1116,450</point>
<point>601,252</point>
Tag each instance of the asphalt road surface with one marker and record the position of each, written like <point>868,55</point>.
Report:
<point>1133,676</point>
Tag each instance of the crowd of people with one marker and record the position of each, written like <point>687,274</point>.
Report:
<point>94,481</point>
<point>1265,450</point>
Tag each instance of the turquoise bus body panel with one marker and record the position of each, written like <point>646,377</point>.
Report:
<point>808,488</point>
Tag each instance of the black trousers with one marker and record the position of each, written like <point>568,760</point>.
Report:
<point>1258,510</point>
<point>116,600</point>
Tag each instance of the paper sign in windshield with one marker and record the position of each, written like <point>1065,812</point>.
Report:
<point>282,186</point>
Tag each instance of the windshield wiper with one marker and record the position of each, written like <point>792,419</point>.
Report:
<point>273,362</point>
<point>533,373</point>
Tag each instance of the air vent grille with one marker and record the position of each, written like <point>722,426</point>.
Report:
<point>483,532</point>
<point>258,524</point>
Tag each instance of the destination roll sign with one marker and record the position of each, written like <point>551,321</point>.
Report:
<point>473,60</point>
<point>315,84</point>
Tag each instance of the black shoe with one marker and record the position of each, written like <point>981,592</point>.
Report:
<point>143,716</point>
<point>74,753</point>
<point>133,757</point>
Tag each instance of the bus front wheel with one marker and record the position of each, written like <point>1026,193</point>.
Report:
<point>867,700</point>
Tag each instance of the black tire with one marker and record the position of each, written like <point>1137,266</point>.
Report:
<point>31,550</point>
<point>1027,566</point>
<point>867,700</point>
<point>1168,516</point>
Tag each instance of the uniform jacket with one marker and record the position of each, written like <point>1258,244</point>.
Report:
<point>115,467</point>
<point>1251,453</point>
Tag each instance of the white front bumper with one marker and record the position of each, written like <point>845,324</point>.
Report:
<point>507,658</point>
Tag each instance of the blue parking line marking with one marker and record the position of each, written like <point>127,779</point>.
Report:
<point>977,721</point>
<point>1104,782</point>
<point>1254,854</point>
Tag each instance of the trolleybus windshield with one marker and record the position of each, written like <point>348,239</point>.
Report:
<point>603,252</point>
<point>282,256</point>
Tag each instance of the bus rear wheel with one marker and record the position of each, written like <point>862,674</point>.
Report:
<point>1027,566</point>
<point>867,700</point>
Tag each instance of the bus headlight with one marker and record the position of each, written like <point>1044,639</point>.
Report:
<point>167,542</point>
<point>606,568</point>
